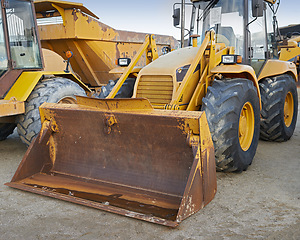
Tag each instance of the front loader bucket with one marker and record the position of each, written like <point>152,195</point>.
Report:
<point>122,156</point>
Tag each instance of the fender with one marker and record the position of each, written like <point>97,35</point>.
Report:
<point>277,67</point>
<point>28,80</point>
<point>238,71</point>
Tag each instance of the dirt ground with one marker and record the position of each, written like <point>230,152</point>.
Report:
<point>261,203</point>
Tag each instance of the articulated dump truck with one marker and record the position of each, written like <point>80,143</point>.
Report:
<point>194,110</point>
<point>67,26</point>
<point>33,72</point>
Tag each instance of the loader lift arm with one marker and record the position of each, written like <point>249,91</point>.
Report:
<point>149,47</point>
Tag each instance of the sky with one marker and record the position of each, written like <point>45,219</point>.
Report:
<point>155,16</point>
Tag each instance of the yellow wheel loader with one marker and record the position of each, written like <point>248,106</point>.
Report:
<point>290,51</point>
<point>152,157</point>
<point>234,64</point>
<point>24,85</point>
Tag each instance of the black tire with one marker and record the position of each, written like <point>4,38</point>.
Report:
<point>6,129</point>
<point>273,96</point>
<point>51,90</point>
<point>223,105</point>
<point>126,91</point>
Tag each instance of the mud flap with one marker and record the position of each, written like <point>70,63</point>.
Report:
<point>122,156</point>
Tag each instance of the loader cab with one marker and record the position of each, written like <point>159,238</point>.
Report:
<point>246,25</point>
<point>20,47</point>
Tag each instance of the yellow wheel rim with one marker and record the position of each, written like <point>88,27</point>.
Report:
<point>246,126</point>
<point>288,109</point>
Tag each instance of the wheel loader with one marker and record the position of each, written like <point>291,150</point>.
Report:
<point>153,156</point>
<point>290,51</point>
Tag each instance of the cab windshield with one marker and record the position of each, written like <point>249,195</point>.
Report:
<point>226,18</point>
<point>24,47</point>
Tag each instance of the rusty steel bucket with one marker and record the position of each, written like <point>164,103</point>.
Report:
<point>122,156</point>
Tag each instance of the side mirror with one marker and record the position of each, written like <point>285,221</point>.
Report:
<point>176,17</point>
<point>257,8</point>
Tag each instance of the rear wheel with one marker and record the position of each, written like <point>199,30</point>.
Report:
<point>54,90</point>
<point>6,129</point>
<point>279,108</point>
<point>232,110</point>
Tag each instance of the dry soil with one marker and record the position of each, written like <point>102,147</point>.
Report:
<point>261,203</point>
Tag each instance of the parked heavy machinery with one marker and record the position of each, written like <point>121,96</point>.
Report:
<point>26,82</point>
<point>24,86</point>
<point>123,156</point>
<point>171,82</point>
<point>290,51</point>
<point>96,46</point>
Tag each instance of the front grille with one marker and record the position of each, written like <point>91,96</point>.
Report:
<point>158,89</point>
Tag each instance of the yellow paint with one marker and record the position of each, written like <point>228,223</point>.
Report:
<point>114,104</point>
<point>185,90</point>
<point>11,107</point>
<point>149,43</point>
<point>61,11</point>
<point>28,80</point>
<point>238,71</point>
<point>287,54</point>
<point>121,70</point>
<point>24,86</point>
<point>41,5</point>
<point>276,67</point>
<point>288,109</point>
<point>235,69</point>
<point>199,93</point>
<point>53,61</point>
<point>158,81</point>
<point>246,126</point>
<point>95,45</point>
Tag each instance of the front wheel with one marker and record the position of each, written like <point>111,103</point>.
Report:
<point>233,114</point>
<point>279,108</point>
<point>53,90</point>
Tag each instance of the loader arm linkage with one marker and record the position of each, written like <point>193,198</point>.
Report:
<point>148,47</point>
<point>206,59</point>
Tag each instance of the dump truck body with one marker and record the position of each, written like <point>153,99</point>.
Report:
<point>96,46</point>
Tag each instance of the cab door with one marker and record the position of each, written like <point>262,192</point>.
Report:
<point>20,48</point>
<point>258,40</point>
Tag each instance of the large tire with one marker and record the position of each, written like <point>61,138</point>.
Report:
<point>53,90</point>
<point>279,108</point>
<point>6,129</point>
<point>126,91</point>
<point>233,114</point>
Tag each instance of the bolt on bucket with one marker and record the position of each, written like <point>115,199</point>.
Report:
<point>122,156</point>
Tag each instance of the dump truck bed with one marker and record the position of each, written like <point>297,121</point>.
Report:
<point>96,46</point>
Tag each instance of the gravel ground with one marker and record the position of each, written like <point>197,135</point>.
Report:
<point>261,203</point>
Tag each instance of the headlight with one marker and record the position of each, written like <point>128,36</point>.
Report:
<point>124,62</point>
<point>231,59</point>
